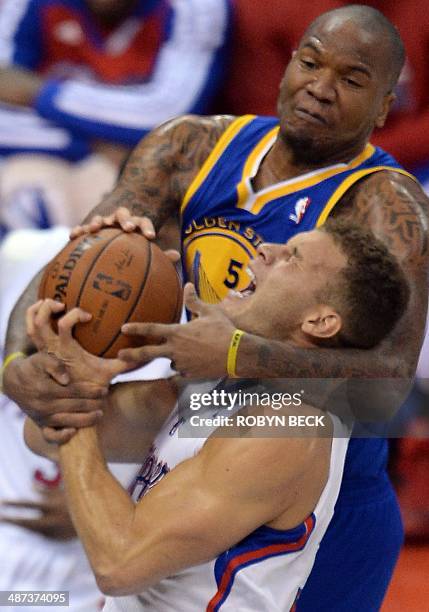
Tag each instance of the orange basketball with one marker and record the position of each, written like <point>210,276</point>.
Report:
<point>118,278</point>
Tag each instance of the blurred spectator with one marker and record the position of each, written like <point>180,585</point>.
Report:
<point>40,191</point>
<point>110,69</point>
<point>85,76</point>
<point>405,134</point>
<point>264,36</point>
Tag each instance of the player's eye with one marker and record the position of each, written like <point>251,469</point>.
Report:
<point>352,82</point>
<point>308,63</point>
<point>292,253</point>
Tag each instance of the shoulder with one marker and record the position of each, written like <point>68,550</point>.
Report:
<point>263,436</point>
<point>188,126</point>
<point>395,207</point>
<point>185,142</point>
<point>168,158</point>
<point>187,138</point>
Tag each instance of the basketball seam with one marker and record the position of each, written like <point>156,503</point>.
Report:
<point>82,288</point>
<point>133,307</point>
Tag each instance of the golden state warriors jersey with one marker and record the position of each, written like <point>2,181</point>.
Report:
<point>224,220</point>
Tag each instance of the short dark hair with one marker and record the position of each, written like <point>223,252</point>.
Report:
<point>372,291</point>
<point>377,24</point>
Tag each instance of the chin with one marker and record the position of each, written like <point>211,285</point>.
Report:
<point>307,147</point>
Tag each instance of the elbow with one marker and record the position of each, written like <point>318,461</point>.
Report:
<point>109,580</point>
<point>116,580</point>
<point>109,584</point>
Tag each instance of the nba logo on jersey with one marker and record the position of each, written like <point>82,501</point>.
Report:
<point>300,207</point>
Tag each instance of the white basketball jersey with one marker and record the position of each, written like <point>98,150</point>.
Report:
<point>265,572</point>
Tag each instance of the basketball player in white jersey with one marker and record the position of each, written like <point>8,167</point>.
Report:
<point>234,522</point>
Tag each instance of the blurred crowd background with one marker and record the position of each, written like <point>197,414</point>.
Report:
<point>82,81</point>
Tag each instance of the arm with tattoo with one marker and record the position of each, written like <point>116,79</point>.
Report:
<point>162,166</point>
<point>152,184</point>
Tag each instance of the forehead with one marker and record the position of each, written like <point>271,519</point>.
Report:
<point>317,249</point>
<point>347,41</point>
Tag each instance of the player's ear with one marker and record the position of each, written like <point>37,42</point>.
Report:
<point>322,322</point>
<point>388,100</point>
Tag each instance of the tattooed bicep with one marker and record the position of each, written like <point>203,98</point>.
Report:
<point>396,209</point>
<point>161,167</point>
<point>176,149</point>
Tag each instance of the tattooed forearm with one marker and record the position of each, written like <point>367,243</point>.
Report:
<point>262,358</point>
<point>159,171</point>
<point>374,383</point>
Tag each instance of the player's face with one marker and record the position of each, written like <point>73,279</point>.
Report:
<point>288,281</point>
<point>334,91</point>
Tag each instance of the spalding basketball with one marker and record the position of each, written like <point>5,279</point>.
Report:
<point>118,277</point>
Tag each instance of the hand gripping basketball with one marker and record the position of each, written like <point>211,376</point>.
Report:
<point>197,349</point>
<point>118,277</point>
<point>81,365</point>
<point>122,218</point>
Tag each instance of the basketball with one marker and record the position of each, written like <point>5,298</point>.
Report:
<point>119,278</point>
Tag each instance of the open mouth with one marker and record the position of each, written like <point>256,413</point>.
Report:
<point>247,291</point>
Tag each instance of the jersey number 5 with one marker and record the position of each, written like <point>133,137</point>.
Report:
<point>231,281</point>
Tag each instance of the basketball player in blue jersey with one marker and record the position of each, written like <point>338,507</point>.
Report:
<point>248,540</point>
<point>337,88</point>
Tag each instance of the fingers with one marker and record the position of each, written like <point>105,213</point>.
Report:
<point>193,302</point>
<point>144,354</point>
<point>74,420</point>
<point>95,224</point>
<point>173,255</point>
<point>31,505</point>
<point>26,523</point>
<point>121,217</point>
<point>58,436</point>
<point>68,321</point>
<point>116,367</point>
<point>29,318</point>
<point>156,331</point>
<point>38,322</point>
<point>144,224</point>
<point>79,230</point>
<point>84,391</point>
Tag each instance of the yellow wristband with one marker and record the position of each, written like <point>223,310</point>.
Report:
<point>10,358</point>
<point>232,352</point>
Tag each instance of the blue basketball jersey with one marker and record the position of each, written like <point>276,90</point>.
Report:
<point>224,219</point>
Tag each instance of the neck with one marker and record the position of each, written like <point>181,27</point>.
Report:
<point>283,162</point>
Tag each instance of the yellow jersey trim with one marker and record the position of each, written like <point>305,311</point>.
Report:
<point>228,135</point>
<point>347,183</point>
<point>291,186</point>
<point>253,156</point>
<point>242,188</point>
